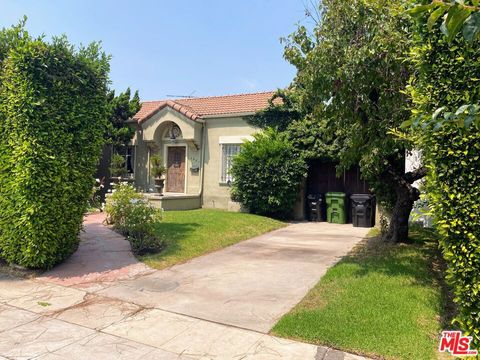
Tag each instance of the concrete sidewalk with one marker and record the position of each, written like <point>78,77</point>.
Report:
<point>103,304</point>
<point>49,321</point>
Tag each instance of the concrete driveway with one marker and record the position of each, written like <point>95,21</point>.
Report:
<point>102,303</point>
<point>249,285</point>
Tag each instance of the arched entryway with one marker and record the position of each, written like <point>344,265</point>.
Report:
<point>171,145</point>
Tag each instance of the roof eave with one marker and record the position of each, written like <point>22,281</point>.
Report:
<point>230,115</point>
<point>189,114</point>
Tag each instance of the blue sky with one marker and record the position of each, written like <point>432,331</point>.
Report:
<point>208,47</point>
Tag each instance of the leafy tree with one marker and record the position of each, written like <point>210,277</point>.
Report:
<point>267,174</point>
<point>457,16</point>
<point>309,133</point>
<point>444,89</point>
<point>315,138</point>
<point>121,108</point>
<point>350,80</point>
<point>282,109</point>
<point>53,113</point>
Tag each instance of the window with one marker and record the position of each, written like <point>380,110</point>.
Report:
<point>228,152</point>
<point>130,159</point>
<point>128,152</point>
<point>172,132</point>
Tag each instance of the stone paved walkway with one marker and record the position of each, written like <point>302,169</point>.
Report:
<point>102,257</point>
<point>104,304</point>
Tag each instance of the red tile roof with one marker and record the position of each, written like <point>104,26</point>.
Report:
<point>195,108</point>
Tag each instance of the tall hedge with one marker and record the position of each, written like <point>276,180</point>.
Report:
<point>52,122</point>
<point>267,175</point>
<point>447,78</point>
<point>454,194</point>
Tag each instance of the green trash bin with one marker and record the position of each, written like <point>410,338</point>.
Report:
<point>336,207</point>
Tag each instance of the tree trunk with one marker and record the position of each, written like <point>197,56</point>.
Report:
<point>406,197</point>
<point>398,227</point>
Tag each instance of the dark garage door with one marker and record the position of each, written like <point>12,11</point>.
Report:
<point>322,178</point>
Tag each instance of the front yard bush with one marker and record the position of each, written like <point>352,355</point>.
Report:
<point>52,121</point>
<point>267,175</point>
<point>134,217</point>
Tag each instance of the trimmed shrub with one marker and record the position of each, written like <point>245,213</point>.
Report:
<point>134,217</point>
<point>454,197</point>
<point>117,166</point>
<point>447,79</point>
<point>267,175</point>
<point>52,122</point>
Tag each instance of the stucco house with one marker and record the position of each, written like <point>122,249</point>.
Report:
<point>197,138</point>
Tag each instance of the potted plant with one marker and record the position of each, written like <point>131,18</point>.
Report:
<point>118,170</point>
<point>158,169</point>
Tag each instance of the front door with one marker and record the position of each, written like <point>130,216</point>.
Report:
<point>176,169</point>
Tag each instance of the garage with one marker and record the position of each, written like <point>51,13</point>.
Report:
<point>322,178</point>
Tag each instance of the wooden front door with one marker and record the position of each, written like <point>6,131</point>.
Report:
<point>176,169</point>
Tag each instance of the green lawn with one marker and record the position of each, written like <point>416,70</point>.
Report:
<point>196,232</point>
<point>381,300</point>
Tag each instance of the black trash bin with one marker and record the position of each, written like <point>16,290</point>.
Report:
<point>315,207</point>
<point>363,210</point>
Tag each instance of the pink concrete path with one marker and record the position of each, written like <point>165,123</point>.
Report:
<point>103,256</point>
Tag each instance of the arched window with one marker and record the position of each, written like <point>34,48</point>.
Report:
<point>172,132</point>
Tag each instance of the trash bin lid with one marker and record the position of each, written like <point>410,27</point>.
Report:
<point>317,197</point>
<point>361,197</point>
<point>335,195</point>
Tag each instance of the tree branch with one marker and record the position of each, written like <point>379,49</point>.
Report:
<point>415,175</point>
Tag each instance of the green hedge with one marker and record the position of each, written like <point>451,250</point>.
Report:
<point>267,175</point>
<point>52,122</point>
<point>448,77</point>
<point>454,194</point>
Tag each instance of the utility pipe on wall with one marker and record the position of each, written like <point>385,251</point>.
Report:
<point>202,159</point>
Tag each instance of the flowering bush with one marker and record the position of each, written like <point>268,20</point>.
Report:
<point>133,216</point>
<point>95,201</point>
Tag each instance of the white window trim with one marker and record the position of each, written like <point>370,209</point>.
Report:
<point>234,140</point>
<point>222,144</point>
